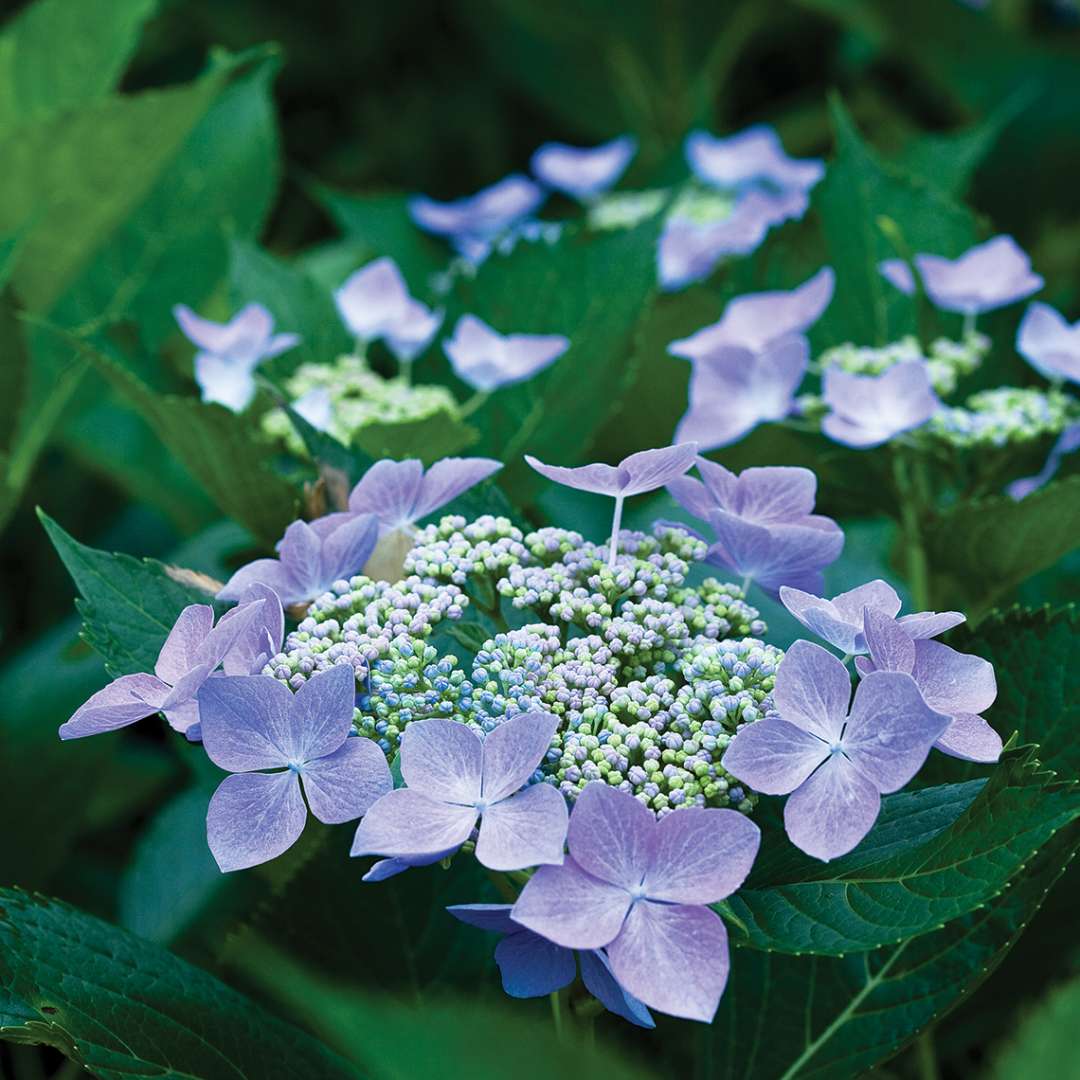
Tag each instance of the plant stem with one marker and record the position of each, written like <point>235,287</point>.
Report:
<point>556,1015</point>
<point>911,505</point>
<point>405,371</point>
<point>473,404</point>
<point>969,323</point>
<point>746,583</point>
<point>616,524</point>
<point>927,1058</point>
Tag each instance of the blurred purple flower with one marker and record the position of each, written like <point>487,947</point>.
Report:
<point>532,966</point>
<point>757,320</point>
<point>454,779</point>
<point>835,766</point>
<point>985,277</point>
<point>951,682</point>
<point>315,407</point>
<point>752,156</point>
<point>474,221</point>
<point>639,886</point>
<point>253,723</point>
<point>583,173</point>
<point>1049,344</point>
<point>374,303</point>
<point>764,523</point>
<point>194,648</point>
<point>868,410</point>
<point>230,352</point>
<point>308,563</point>
<point>1068,443</point>
<point>488,360</point>
<point>839,621</point>
<point>736,389</point>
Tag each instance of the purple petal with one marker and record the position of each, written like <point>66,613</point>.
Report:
<point>483,215</point>
<point>1049,344</point>
<point>952,682</point>
<point>673,958</point>
<point>404,823</point>
<point>890,647</point>
<point>266,572</point>
<point>868,410</point>
<point>898,273</point>
<point>612,836</point>
<point>495,918</point>
<point>776,494</point>
<point>722,484</point>
<point>648,470</point>
<point>244,336</point>
<point>513,751</point>
<point>970,738</point>
<point>180,707</point>
<point>261,639</point>
<point>754,154</point>
<point>599,981</point>
<point>487,360</point>
<point>178,654</point>
<point>583,172</point>
<point>344,785</point>
<point>599,479</point>
<point>300,554</point>
<point>321,714</point>
<point>388,868</point>
<point>528,829</point>
<point>253,818</point>
<point>372,299</point>
<point>691,495</point>
<point>812,690</point>
<point>414,331</point>
<point>347,549</point>
<point>820,616</point>
<point>122,702</point>
<point>225,380</point>
<point>443,759</point>
<point>773,756</point>
<point>928,624</point>
<point>985,277</point>
<point>532,966</point>
<point>570,907</point>
<point>701,855</point>
<point>891,729</point>
<point>833,810</point>
<point>449,478</point>
<point>390,490</point>
<point>876,594</point>
<point>240,621</point>
<point>246,723</point>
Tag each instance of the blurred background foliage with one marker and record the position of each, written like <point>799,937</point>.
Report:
<point>213,127</point>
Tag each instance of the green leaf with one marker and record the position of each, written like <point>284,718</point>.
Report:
<point>988,546</point>
<point>858,189</point>
<point>431,438</point>
<point>1045,1042</point>
<point>125,1009</point>
<point>60,54</point>
<point>128,605</point>
<point>853,905</point>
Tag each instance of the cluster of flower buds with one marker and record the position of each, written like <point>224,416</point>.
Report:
<point>453,550</point>
<point>1004,416</point>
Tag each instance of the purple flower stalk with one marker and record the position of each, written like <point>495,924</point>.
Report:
<point>835,765</point>
<point>638,887</point>
<point>956,684</point>
<point>758,320</point>
<point>487,360</point>
<point>582,173</point>
<point>532,966</point>
<point>1049,344</point>
<point>752,156</point>
<point>230,352</point>
<point>644,471</point>
<point>764,523</point>
<point>375,303</point>
<point>455,779</point>
<point>868,410</point>
<point>985,277</point>
<point>253,723</point>
<point>308,563</point>
<point>242,642</point>
<point>840,621</point>
<point>736,389</point>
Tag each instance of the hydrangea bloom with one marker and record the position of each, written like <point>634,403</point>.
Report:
<point>764,522</point>
<point>532,966</point>
<point>230,352</point>
<point>736,389</point>
<point>583,173</point>
<point>644,471</point>
<point>752,156</point>
<point>455,779</point>
<point>839,621</point>
<point>251,724</point>
<point>374,303</point>
<point>1049,344</point>
<point>757,320</point>
<point>195,647</point>
<point>985,277</point>
<point>953,683</point>
<point>487,360</point>
<point>309,563</point>
<point>868,410</point>
<point>638,886</point>
<point>835,765</point>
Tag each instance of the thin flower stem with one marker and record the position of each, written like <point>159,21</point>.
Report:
<point>473,403</point>
<point>926,1056</point>
<point>616,524</point>
<point>556,1015</point>
<point>911,505</point>
<point>405,372</point>
<point>746,583</point>
<point>969,323</point>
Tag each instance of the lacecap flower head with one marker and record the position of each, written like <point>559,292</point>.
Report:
<point>583,173</point>
<point>487,360</point>
<point>1049,344</point>
<point>868,410</point>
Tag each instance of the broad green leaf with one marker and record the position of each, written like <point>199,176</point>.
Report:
<point>1045,1043</point>
<point>60,54</point>
<point>841,907</point>
<point>858,189</point>
<point>126,1009</point>
<point>436,436</point>
<point>832,1018</point>
<point>987,546</point>
<point>128,605</point>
